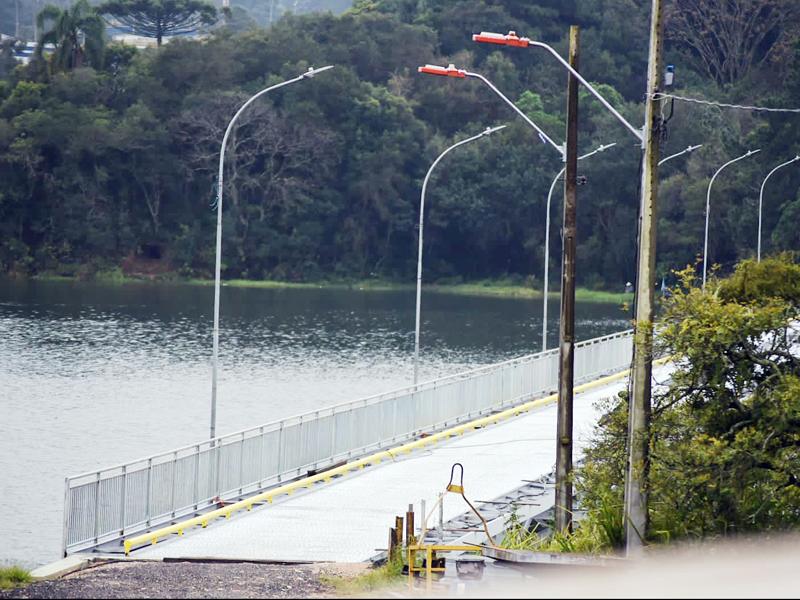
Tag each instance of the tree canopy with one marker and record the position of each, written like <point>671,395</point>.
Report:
<point>76,32</point>
<point>101,160</point>
<point>160,18</point>
<point>725,435</point>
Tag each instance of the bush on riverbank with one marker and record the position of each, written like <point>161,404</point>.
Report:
<point>725,434</point>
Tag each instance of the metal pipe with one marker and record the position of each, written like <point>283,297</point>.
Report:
<point>122,500</point>
<point>97,508</point>
<point>761,199</point>
<point>196,483</point>
<point>547,241</point>
<point>708,206</point>
<point>67,513</point>
<point>218,265</point>
<point>174,482</point>
<point>486,132</point>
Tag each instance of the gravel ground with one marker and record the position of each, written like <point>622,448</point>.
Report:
<point>189,580</point>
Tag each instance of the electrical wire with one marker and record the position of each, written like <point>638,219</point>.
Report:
<point>659,95</point>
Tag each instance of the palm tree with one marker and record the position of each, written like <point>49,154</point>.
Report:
<point>76,32</point>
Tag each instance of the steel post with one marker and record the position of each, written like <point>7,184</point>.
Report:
<point>761,200</point>
<point>218,261</point>
<point>708,207</point>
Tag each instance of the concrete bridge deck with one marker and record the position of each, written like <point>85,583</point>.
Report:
<point>348,519</point>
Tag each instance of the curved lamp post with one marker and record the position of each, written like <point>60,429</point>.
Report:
<point>547,240</point>
<point>488,131</point>
<point>708,206</point>
<point>512,39</point>
<point>218,267</point>
<point>681,153</point>
<point>761,198</point>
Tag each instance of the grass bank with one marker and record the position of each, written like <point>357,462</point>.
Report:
<point>373,579</point>
<point>501,288</point>
<point>13,577</point>
<point>495,288</point>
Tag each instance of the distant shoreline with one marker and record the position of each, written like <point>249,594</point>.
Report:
<point>486,288</point>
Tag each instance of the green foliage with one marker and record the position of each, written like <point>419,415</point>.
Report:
<point>105,158</point>
<point>375,578</point>
<point>13,577</point>
<point>773,278</point>
<point>726,430</point>
<point>25,96</point>
<point>600,531</point>
<point>77,34</point>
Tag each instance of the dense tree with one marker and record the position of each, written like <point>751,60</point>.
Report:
<point>323,177</point>
<point>76,32</point>
<point>726,426</point>
<point>273,164</point>
<point>728,39</point>
<point>160,18</point>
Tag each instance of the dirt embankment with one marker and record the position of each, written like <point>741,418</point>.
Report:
<point>187,580</point>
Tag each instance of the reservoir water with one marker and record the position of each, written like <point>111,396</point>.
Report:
<point>95,374</point>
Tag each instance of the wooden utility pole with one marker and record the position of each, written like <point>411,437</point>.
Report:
<point>563,507</point>
<point>639,402</point>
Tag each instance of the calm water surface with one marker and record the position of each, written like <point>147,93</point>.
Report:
<point>94,374</point>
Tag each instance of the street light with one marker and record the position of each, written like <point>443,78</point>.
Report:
<point>708,206</point>
<point>488,131</point>
<point>218,267</point>
<point>512,39</point>
<point>677,154</point>
<point>547,240</point>
<point>761,198</point>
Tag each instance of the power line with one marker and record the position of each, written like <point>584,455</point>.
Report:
<point>658,95</point>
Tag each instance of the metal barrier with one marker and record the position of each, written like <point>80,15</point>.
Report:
<point>105,505</point>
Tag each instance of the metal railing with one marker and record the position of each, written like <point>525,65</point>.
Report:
<point>107,504</point>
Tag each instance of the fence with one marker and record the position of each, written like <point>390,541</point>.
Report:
<point>107,504</point>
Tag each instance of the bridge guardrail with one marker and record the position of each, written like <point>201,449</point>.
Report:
<point>109,503</point>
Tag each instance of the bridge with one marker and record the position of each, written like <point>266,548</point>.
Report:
<point>326,485</point>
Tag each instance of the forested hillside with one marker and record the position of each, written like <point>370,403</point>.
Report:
<point>249,13</point>
<point>117,159</point>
